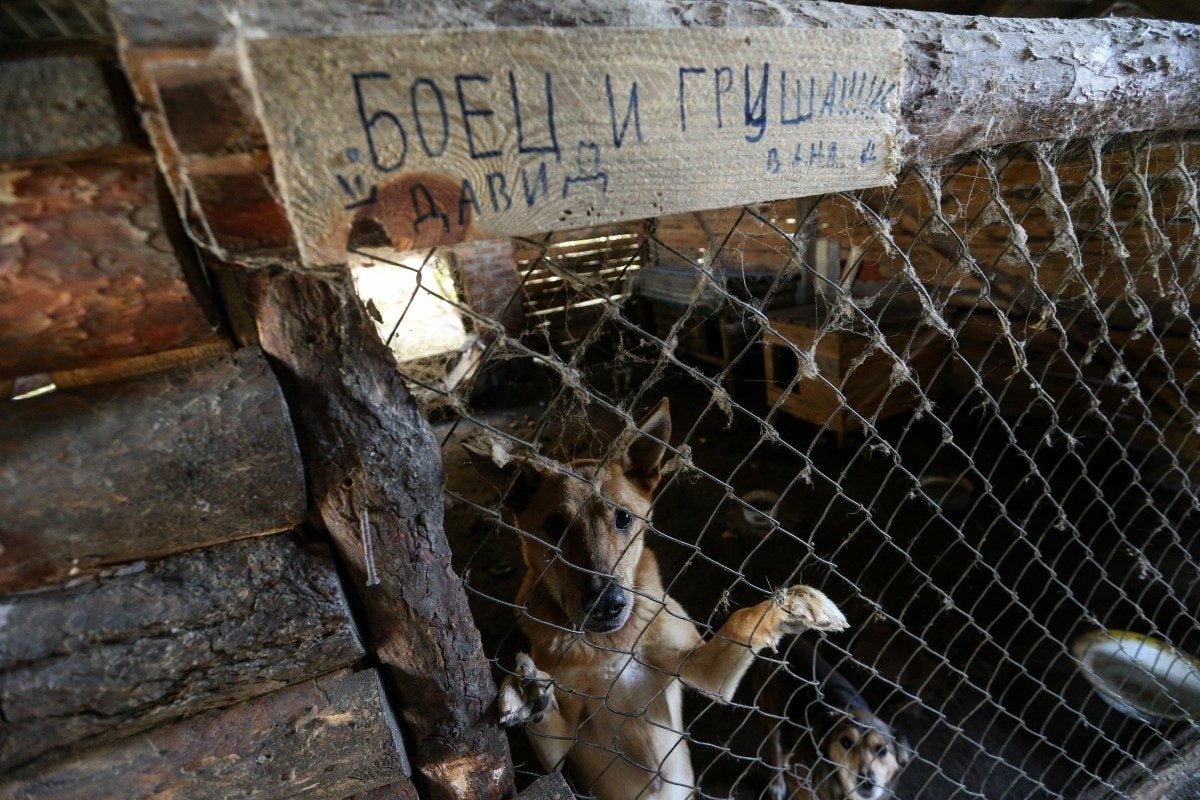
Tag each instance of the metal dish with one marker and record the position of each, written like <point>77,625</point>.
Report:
<point>1139,675</point>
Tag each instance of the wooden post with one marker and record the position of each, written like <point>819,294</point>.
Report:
<point>375,474</point>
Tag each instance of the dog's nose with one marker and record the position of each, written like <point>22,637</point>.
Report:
<point>607,606</point>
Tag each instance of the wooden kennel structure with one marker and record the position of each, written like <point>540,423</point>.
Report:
<point>222,564</point>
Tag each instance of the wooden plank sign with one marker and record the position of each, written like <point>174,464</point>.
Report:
<point>438,137</point>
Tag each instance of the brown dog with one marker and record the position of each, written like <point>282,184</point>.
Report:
<point>611,650</point>
<point>831,745</point>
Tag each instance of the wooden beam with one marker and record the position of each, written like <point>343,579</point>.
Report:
<point>971,82</point>
<point>375,474</point>
<point>329,737</point>
<point>89,265</point>
<point>124,652</point>
<point>143,468</point>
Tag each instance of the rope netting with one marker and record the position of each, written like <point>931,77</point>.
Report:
<point>962,407</point>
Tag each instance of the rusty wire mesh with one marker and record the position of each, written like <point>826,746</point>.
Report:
<point>963,407</point>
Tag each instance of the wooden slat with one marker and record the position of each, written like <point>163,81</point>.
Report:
<point>329,737</point>
<point>196,631</point>
<point>89,266</point>
<point>375,474</point>
<point>144,468</point>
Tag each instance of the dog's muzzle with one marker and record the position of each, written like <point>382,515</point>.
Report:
<point>868,791</point>
<point>606,611</point>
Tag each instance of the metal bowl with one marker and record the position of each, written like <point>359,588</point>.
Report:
<point>1139,675</point>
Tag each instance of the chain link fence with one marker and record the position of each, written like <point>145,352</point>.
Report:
<point>963,407</point>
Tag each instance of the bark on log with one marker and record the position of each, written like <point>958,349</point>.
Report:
<point>192,632</point>
<point>88,267</point>
<point>59,105</point>
<point>375,472</point>
<point>328,737</point>
<point>144,468</point>
<point>972,82</point>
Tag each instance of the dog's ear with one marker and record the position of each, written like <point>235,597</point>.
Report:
<point>517,479</point>
<point>643,457</point>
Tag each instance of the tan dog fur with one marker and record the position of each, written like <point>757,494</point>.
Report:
<point>609,704</point>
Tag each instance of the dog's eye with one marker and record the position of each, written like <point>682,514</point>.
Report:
<point>555,526</point>
<point>622,519</point>
<point>846,742</point>
<point>881,750</point>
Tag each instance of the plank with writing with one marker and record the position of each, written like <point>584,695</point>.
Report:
<point>438,137</point>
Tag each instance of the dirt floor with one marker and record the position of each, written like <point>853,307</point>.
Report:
<point>963,600</point>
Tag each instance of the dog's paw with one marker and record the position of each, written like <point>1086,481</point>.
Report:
<point>526,696</point>
<point>806,608</point>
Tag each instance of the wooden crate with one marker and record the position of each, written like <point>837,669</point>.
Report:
<point>867,387</point>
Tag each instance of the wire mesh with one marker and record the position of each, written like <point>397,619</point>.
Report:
<point>962,407</point>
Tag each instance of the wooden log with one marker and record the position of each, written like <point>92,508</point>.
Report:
<point>329,737</point>
<point>88,267</point>
<point>60,105</point>
<point>375,474</point>
<point>144,468</point>
<point>122,653</point>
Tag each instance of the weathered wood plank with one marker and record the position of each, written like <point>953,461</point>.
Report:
<point>144,468</point>
<point>375,474</point>
<point>554,128</point>
<point>971,81</point>
<point>329,737</point>
<point>122,653</point>
<point>88,267</point>
<point>59,105</point>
